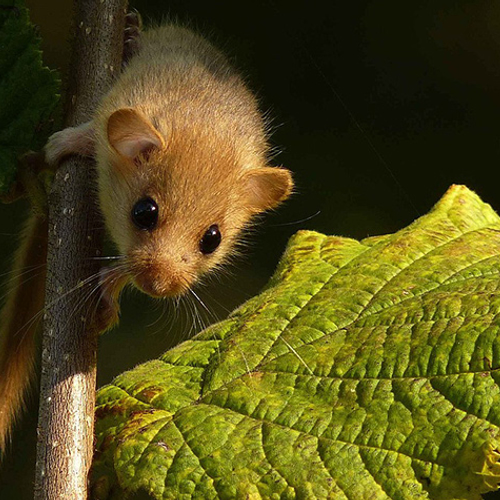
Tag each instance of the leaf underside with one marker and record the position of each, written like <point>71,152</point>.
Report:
<point>365,370</point>
<point>28,90</point>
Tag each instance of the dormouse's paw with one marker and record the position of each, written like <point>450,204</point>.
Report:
<point>70,141</point>
<point>133,27</point>
<point>107,312</point>
<point>57,146</point>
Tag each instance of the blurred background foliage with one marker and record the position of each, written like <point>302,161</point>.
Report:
<point>377,106</point>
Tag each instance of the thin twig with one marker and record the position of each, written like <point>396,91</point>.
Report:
<point>66,419</point>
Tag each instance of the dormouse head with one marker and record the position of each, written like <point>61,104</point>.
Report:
<point>176,202</point>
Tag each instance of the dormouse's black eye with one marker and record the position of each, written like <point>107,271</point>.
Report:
<point>145,214</point>
<point>211,240</point>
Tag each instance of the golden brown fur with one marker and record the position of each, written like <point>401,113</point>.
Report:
<point>19,320</point>
<point>205,162</point>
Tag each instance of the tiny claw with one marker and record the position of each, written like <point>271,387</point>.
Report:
<point>131,30</point>
<point>133,18</point>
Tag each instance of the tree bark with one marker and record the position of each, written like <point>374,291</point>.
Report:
<point>66,419</point>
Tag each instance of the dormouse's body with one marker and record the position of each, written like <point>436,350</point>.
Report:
<point>181,156</point>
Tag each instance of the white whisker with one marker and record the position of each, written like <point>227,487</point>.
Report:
<point>112,257</point>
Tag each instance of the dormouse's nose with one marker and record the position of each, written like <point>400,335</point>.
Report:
<point>162,279</point>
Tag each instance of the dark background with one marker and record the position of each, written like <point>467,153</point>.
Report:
<point>378,106</point>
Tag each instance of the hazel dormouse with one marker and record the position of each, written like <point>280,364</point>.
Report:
<point>182,164</point>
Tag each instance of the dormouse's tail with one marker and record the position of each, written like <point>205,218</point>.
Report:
<point>19,320</point>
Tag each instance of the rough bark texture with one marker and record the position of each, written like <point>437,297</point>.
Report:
<point>66,421</point>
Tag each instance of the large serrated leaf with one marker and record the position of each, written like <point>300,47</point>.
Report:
<point>28,90</point>
<point>365,370</point>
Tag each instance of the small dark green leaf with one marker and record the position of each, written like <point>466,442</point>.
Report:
<point>28,90</point>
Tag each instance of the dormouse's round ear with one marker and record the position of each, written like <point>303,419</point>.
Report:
<point>131,134</point>
<point>266,187</point>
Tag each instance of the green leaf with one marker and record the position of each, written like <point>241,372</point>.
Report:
<point>365,370</point>
<point>28,90</point>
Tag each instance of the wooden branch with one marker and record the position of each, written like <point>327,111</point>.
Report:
<point>66,419</point>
